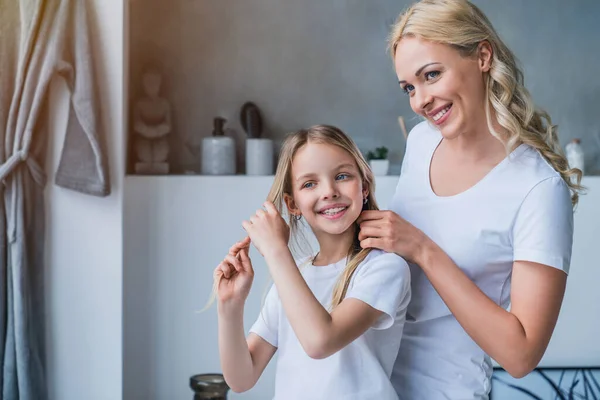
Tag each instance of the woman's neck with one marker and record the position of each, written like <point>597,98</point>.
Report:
<point>333,248</point>
<point>478,145</point>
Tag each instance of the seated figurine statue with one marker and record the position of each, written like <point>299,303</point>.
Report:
<point>151,125</point>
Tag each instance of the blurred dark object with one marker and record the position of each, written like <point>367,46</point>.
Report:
<point>209,387</point>
<point>251,120</point>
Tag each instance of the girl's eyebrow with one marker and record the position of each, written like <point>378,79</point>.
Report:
<point>301,177</point>
<point>421,70</point>
<point>311,174</point>
<point>345,166</point>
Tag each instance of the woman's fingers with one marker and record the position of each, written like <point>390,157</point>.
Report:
<point>369,231</point>
<point>371,215</point>
<point>372,243</point>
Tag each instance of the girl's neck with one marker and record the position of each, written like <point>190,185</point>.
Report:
<point>333,248</point>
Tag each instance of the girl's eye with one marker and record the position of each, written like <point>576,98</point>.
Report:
<point>308,185</point>
<point>407,89</point>
<point>431,75</point>
<point>342,176</point>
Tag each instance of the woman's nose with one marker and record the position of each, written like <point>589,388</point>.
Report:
<point>422,99</point>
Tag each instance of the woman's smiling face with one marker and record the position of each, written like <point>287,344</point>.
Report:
<point>445,87</point>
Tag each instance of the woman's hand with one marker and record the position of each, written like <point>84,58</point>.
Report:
<point>234,275</point>
<point>387,231</point>
<point>267,229</point>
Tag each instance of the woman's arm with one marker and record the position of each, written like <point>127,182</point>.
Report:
<point>517,339</point>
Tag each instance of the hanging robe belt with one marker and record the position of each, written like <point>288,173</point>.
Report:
<point>6,169</point>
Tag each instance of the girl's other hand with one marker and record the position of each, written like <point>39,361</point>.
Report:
<point>235,274</point>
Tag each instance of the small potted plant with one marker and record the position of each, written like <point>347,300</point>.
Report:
<point>378,160</point>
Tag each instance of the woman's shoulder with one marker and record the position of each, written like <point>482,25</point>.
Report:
<point>530,168</point>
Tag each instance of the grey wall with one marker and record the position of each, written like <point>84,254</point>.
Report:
<point>320,61</point>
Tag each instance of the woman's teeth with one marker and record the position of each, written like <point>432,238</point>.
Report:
<point>333,211</point>
<point>441,113</point>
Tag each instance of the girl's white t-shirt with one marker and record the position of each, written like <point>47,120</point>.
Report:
<point>521,210</point>
<point>362,369</point>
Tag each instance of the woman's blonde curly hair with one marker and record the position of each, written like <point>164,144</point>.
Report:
<point>462,25</point>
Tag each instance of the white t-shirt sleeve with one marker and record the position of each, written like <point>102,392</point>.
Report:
<point>267,324</point>
<point>383,282</point>
<point>543,229</point>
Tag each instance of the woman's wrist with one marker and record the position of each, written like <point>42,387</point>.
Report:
<point>426,250</point>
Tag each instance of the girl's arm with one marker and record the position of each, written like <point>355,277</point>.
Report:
<point>516,339</point>
<point>242,360</point>
<point>320,333</point>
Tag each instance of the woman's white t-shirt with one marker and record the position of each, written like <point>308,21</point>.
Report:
<point>521,210</point>
<point>362,369</point>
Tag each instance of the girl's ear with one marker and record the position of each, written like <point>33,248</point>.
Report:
<point>291,204</point>
<point>365,190</point>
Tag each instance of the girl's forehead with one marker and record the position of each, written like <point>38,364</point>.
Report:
<point>320,157</point>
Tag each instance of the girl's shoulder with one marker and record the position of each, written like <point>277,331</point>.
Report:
<point>381,260</point>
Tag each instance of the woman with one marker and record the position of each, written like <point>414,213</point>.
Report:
<point>483,209</point>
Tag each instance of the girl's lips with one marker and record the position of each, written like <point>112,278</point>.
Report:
<point>335,216</point>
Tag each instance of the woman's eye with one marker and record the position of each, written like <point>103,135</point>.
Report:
<point>431,75</point>
<point>407,89</point>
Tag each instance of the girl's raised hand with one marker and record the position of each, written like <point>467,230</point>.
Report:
<point>234,275</point>
<point>267,229</point>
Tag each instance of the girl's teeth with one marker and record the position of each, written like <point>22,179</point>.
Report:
<point>441,113</point>
<point>333,211</point>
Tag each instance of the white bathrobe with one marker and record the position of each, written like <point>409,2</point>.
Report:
<point>38,40</point>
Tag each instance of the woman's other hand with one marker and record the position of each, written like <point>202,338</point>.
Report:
<point>387,231</point>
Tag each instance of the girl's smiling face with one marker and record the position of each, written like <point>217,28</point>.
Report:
<point>327,188</point>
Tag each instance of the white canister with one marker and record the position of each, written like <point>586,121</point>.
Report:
<point>259,156</point>
<point>218,155</point>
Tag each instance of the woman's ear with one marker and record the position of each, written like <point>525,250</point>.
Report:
<point>485,54</point>
<point>291,205</point>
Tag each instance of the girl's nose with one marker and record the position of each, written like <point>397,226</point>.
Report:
<point>330,191</point>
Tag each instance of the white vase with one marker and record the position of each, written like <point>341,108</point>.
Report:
<point>259,156</point>
<point>379,167</point>
<point>218,155</point>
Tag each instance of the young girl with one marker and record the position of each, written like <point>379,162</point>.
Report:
<point>337,317</point>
